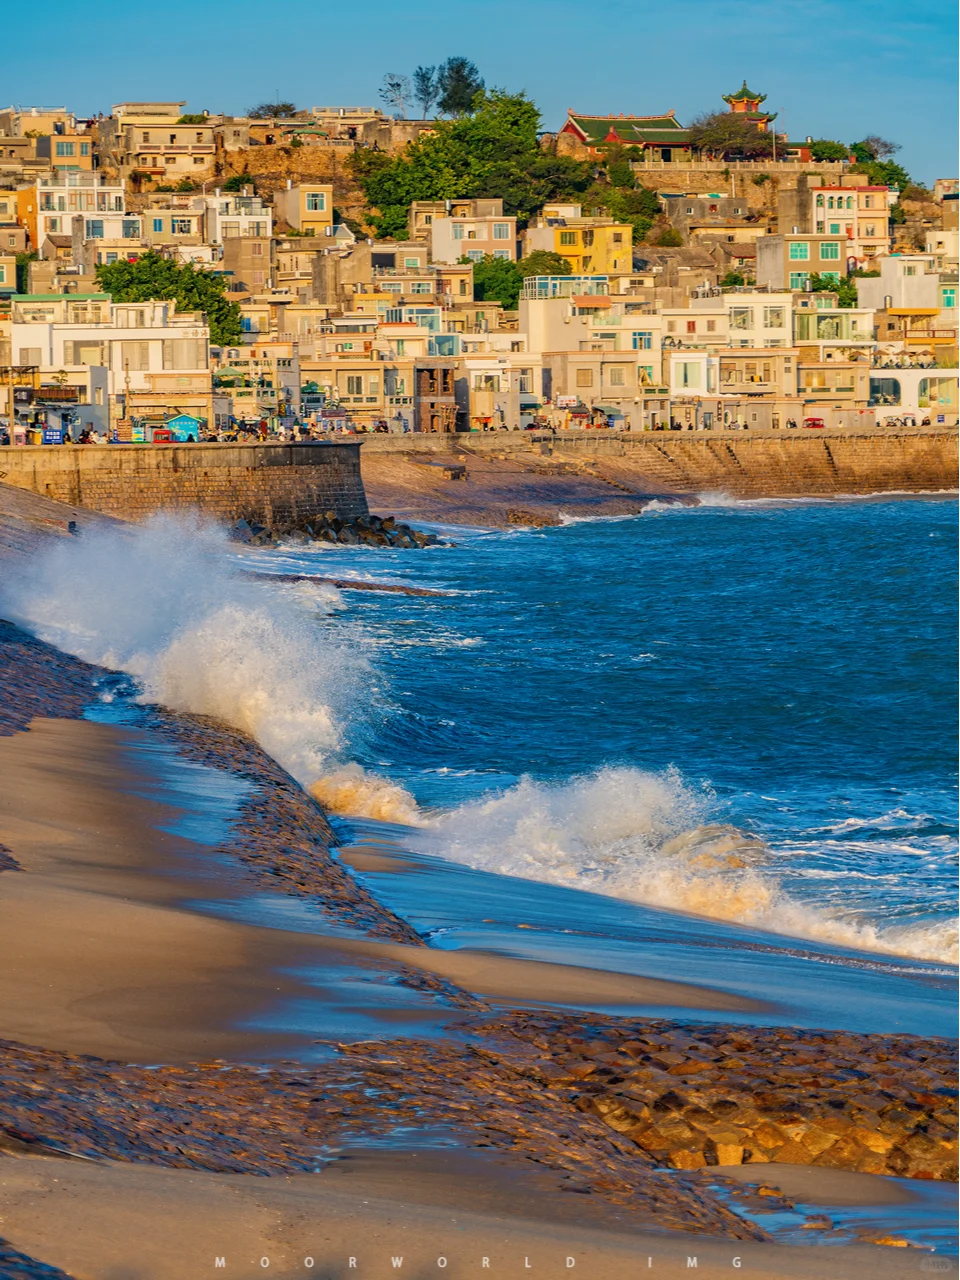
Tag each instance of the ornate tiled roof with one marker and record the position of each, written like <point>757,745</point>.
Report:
<point>744,94</point>
<point>663,130</point>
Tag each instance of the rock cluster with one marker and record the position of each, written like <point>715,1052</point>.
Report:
<point>369,530</point>
<point>701,1095</point>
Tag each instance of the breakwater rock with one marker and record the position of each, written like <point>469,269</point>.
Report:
<point>366,530</point>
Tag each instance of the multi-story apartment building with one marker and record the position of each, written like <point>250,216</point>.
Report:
<point>788,261</point>
<point>592,245</point>
<point>228,216</point>
<point>48,207</point>
<point>164,225</point>
<point>151,138</point>
<point>473,229</point>
<point>861,214</point>
<point>155,358</point>
<point>247,261</point>
<point>306,207</point>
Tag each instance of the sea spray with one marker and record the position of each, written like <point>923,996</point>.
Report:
<point>640,836</point>
<point>163,602</point>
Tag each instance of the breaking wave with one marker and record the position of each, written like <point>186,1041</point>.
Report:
<point>646,837</point>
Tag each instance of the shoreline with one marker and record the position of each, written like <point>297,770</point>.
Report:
<point>613,1106</point>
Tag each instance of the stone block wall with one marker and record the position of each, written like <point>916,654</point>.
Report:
<point>268,482</point>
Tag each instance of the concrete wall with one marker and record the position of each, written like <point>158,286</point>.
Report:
<point>740,463</point>
<point>271,481</point>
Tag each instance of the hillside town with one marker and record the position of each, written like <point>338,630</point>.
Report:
<point>168,276</point>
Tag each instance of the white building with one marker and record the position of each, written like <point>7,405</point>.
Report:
<point>147,348</point>
<point>61,195</point>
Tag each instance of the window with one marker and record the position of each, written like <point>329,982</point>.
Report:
<point>642,341</point>
<point>256,251</point>
<point>501,231</point>
<point>671,326</point>
<point>199,160</point>
<point>910,270</point>
<point>617,237</point>
<point>830,250</point>
<point>773,317</point>
<point>355,386</point>
<point>131,228</point>
<point>198,137</point>
<point>158,224</point>
<point>316,201</point>
<point>799,251</point>
<point>184,353</point>
<point>820,201</point>
<point>144,137</point>
<point>373,386</point>
<point>645,375</point>
<point>486,382</point>
<point>616,378</point>
<point>830,275</point>
<point>834,229</point>
<point>568,237</point>
<point>65,148</point>
<point>413,263</point>
<point>3,274</point>
<point>849,202</point>
<point>691,326</point>
<point>798,279</point>
<point>868,202</point>
<point>948,298</point>
<point>741,317</point>
<point>584,377</point>
<point>84,148</point>
<point>94,229</point>
<point>711,326</point>
<point>688,374</point>
<point>475,255</point>
<point>31,355</point>
<point>830,203</point>
<point>420,286</point>
<point>180,226</point>
<point>134,356</point>
<point>503,254</point>
<point>869,232</point>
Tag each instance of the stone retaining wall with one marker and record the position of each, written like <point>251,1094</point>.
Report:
<point>269,482</point>
<point>740,463</point>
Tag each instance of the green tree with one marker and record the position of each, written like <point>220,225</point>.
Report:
<point>883,173</point>
<point>425,88</point>
<point>23,261</point>
<point>729,135</point>
<point>845,288</point>
<point>153,276</point>
<point>670,238</point>
<point>824,149</point>
<point>273,111</point>
<point>496,280</point>
<point>196,117</point>
<point>543,262</point>
<point>239,181</point>
<point>732,279</point>
<point>874,148</point>
<point>491,153</point>
<point>458,83</point>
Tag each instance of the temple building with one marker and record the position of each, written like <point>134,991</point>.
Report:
<point>746,102</point>
<point>661,138</point>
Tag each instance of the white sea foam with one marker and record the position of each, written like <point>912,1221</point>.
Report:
<point>641,836</point>
<point>164,601</point>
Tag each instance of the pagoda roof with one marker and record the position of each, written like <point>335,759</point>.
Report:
<point>594,130</point>
<point>744,94</point>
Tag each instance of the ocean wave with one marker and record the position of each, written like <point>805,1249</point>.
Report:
<point>646,838</point>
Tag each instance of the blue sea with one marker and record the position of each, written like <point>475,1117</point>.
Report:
<point>716,743</point>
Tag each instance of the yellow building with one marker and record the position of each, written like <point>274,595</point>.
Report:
<point>593,246</point>
<point>306,207</point>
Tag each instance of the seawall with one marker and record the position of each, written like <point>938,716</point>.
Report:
<point>268,481</point>
<point>512,476</point>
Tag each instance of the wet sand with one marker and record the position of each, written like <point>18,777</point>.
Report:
<point>100,895</point>
<point>145,1223</point>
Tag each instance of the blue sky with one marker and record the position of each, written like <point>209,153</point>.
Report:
<point>831,68</point>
